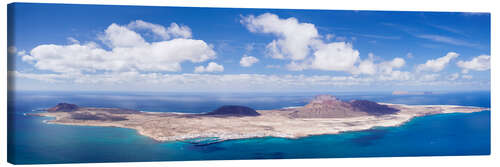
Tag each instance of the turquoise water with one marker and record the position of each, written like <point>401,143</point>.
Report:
<point>30,141</point>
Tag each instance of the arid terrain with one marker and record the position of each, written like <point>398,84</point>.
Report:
<point>323,115</point>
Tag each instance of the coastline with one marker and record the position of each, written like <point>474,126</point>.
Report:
<point>272,123</point>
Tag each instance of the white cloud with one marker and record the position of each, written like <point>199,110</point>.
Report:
<point>329,36</point>
<point>298,66</point>
<point>129,52</point>
<point>480,63</point>
<point>295,41</point>
<point>367,67</point>
<point>273,51</point>
<point>174,31</point>
<point>467,76</point>
<point>429,77</point>
<point>454,76</point>
<point>388,66</point>
<point>397,62</point>
<point>234,82</point>
<point>436,65</point>
<point>211,67</point>
<point>50,78</point>
<point>335,56</point>
<point>247,61</point>
<point>120,36</point>
<point>294,38</point>
<point>249,47</point>
<point>245,82</point>
<point>179,31</point>
<point>396,75</point>
<point>386,70</point>
<point>73,40</point>
<point>21,53</point>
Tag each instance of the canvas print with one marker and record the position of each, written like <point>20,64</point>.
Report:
<point>105,83</point>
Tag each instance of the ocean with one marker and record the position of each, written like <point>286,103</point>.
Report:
<point>30,141</point>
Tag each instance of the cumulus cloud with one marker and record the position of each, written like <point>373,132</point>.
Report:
<point>179,31</point>
<point>329,36</point>
<point>272,50</point>
<point>294,38</point>
<point>211,67</point>
<point>397,62</point>
<point>296,41</point>
<point>247,61</point>
<point>367,66</point>
<point>387,70</point>
<point>336,56</point>
<point>121,36</point>
<point>479,63</point>
<point>388,66</point>
<point>436,65</point>
<point>21,53</point>
<point>301,44</point>
<point>128,52</point>
<point>174,31</point>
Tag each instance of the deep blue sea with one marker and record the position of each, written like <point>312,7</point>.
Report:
<point>30,141</point>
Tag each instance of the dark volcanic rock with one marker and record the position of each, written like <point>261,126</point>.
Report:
<point>372,108</point>
<point>63,107</point>
<point>233,110</point>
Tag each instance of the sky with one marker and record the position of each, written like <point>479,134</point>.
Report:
<point>58,47</point>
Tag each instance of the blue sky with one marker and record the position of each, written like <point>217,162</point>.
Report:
<point>137,48</point>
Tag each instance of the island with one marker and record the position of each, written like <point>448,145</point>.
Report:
<point>325,114</point>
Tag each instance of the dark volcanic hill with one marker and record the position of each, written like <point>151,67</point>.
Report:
<point>233,110</point>
<point>63,107</point>
<point>327,106</point>
<point>372,108</point>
